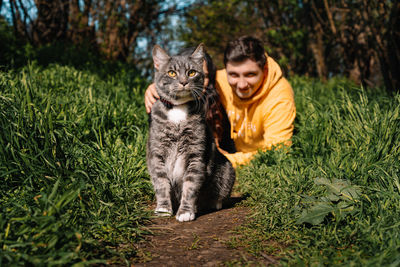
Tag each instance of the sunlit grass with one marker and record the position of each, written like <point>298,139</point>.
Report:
<point>72,166</point>
<point>334,198</point>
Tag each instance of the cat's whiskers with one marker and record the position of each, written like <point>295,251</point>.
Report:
<point>199,97</point>
<point>199,92</point>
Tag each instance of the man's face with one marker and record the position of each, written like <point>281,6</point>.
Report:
<point>244,77</point>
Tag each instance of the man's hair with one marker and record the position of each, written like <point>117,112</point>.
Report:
<point>245,47</point>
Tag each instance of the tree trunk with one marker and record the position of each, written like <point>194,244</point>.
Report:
<point>312,18</point>
<point>79,30</point>
<point>388,49</point>
<point>317,48</point>
<point>51,23</point>
<point>393,50</point>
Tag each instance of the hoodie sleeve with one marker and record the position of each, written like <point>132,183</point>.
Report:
<point>240,158</point>
<point>279,115</point>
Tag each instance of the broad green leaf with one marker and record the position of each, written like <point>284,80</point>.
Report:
<point>340,188</point>
<point>316,214</point>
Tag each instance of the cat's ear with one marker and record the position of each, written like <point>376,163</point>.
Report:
<point>160,57</point>
<point>198,54</point>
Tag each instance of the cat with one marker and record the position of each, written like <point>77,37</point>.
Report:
<point>187,170</point>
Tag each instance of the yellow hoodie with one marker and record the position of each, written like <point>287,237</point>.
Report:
<point>264,120</point>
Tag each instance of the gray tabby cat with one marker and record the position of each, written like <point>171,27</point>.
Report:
<point>187,170</point>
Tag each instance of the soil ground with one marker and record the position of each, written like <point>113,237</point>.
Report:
<point>202,242</point>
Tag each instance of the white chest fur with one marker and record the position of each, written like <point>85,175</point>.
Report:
<point>178,113</point>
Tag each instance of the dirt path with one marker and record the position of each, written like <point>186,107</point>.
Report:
<point>202,242</point>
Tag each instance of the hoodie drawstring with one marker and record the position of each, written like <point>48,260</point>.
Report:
<point>244,129</point>
<point>246,126</point>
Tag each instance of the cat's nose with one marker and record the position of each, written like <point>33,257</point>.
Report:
<point>184,82</point>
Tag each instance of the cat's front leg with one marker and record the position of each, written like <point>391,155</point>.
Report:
<point>187,208</point>
<point>190,191</point>
<point>158,173</point>
<point>162,188</point>
<point>163,197</point>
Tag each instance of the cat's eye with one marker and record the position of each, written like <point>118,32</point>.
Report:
<point>171,73</point>
<point>191,73</point>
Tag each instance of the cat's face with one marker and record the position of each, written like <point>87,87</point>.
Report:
<point>179,79</point>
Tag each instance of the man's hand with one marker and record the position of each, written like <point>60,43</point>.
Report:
<point>150,97</point>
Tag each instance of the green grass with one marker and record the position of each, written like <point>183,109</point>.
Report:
<point>72,166</point>
<point>74,185</point>
<point>334,197</point>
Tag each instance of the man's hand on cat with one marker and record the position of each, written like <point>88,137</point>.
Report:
<point>150,97</point>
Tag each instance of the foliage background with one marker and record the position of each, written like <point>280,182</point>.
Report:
<point>357,39</point>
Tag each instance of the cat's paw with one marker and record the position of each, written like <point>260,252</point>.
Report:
<point>185,216</point>
<point>163,212</point>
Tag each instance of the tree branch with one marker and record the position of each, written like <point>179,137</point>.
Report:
<point>328,12</point>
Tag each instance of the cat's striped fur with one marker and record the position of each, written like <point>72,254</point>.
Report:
<point>187,170</point>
